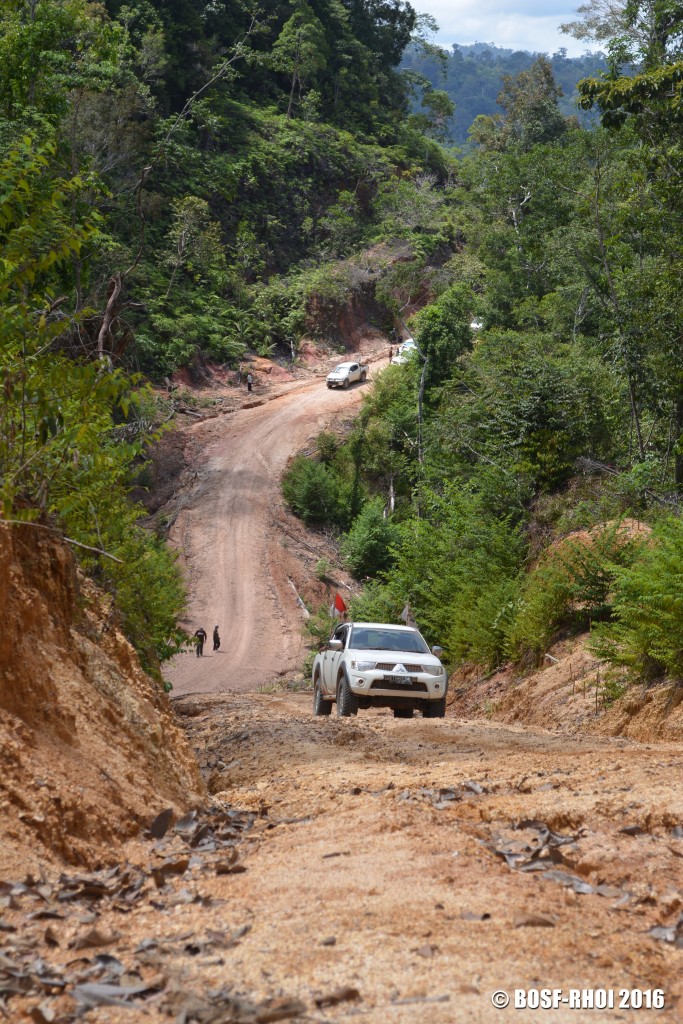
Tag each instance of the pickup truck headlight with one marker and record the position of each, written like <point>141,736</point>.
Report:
<point>363,666</point>
<point>433,670</point>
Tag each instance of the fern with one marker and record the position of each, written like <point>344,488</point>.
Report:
<point>569,589</point>
<point>646,635</point>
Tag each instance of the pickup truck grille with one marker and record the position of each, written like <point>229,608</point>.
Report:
<point>389,666</point>
<point>388,684</point>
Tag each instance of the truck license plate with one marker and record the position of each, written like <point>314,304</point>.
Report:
<point>399,679</point>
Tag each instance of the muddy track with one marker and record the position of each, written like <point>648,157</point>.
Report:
<point>229,547</point>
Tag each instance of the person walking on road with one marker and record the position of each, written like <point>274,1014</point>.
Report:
<point>216,638</point>
<point>250,381</point>
<point>200,636</point>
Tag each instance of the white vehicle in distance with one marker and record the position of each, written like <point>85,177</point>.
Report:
<point>345,374</point>
<point>405,352</point>
<point>373,664</point>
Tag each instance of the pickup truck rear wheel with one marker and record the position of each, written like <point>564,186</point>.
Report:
<point>347,702</point>
<point>362,378</point>
<point>345,385</point>
<point>403,712</point>
<point>434,708</point>
<point>320,706</point>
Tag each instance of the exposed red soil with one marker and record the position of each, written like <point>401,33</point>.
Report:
<point>88,743</point>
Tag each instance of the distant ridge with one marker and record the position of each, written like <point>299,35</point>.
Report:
<point>475,71</point>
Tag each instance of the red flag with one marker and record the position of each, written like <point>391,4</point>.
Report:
<point>338,608</point>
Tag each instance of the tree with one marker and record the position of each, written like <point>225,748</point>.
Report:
<point>639,30</point>
<point>443,333</point>
<point>300,50</point>
<point>61,457</point>
<point>194,241</point>
<point>367,548</point>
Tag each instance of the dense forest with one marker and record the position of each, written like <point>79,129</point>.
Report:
<point>472,77</point>
<point>499,483</point>
<point>184,181</point>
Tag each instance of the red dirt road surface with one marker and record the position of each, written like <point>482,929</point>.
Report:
<point>226,539</point>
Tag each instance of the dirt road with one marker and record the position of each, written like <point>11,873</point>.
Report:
<point>228,547</point>
<point>398,871</point>
<point>394,871</point>
<point>368,884</point>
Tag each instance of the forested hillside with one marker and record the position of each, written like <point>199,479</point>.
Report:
<point>546,399</point>
<point>179,181</point>
<point>184,182</point>
<point>472,77</point>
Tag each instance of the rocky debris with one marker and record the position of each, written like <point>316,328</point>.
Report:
<point>339,995</point>
<point>672,934</point>
<point>77,901</point>
<point>543,851</point>
<point>443,797</point>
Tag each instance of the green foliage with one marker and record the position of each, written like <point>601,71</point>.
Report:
<point>528,406</point>
<point>571,587</point>
<point>322,569</point>
<point>60,453</point>
<point>443,333</point>
<point>311,489</point>
<point>327,445</point>
<point>482,619</point>
<point>646,634</point>
<point>367,548</point>
<point>452,551</point>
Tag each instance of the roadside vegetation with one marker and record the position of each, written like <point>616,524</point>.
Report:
<point>527,463</point>
<point>189,182</point>
<point>178,182</point>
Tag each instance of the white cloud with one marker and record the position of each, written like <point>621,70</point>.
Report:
<point>517,24</point>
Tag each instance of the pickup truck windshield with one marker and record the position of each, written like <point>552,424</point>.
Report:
<point>342,368</point>
<point>369,639</point>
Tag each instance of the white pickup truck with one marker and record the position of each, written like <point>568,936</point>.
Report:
<point>346,373</point>
<point>370,664</point>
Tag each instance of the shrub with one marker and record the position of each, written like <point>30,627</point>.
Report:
<point>570,587</point>
<point>367,548</point>
<point>445,559</point>
<point>646,635</point>
<point>327,446</point>
<point>482,619</point>
<point>322,569</point>
<point>311,490</point>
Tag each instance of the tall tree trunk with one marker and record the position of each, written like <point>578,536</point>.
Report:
<point>110,313</point>
<point>291,96</point>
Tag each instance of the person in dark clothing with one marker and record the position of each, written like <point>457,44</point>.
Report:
<point>200,636</point>
<point>216,638</point>
<point>250,381</point>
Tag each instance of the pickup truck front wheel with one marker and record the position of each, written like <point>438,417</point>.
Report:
<point>347,702</point>
<point>320,706</point>
<point>434,708</point>
<point>345,385</point>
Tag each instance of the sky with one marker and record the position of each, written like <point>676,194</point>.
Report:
<point>517,24</point>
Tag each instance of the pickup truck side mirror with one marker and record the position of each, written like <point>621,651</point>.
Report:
<point>437,651</point>
<point>335,645</point>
